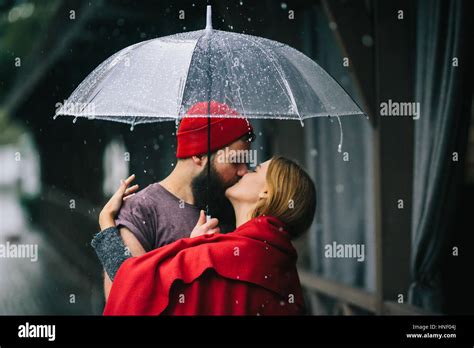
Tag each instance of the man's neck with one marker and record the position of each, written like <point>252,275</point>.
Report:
<point>178,182</point>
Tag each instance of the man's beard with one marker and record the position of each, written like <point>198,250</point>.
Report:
<point>219,206</point>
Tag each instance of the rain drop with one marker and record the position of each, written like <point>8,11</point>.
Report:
<point>75,119</point>
<point>367,40</point>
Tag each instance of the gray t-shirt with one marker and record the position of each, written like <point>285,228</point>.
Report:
<point>157,217</point>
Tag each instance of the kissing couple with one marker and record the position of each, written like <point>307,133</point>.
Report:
<point>161,256</point>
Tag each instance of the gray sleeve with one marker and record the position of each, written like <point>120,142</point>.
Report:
<point>136,215</point>
<point>110,249</point>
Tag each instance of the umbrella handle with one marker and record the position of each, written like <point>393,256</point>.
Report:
<point>208,217</point>
<point>341,135</point>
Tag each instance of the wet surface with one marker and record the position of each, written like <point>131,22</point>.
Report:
<point>48,286</point>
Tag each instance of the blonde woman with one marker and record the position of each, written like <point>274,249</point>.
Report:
<point>250,271</point>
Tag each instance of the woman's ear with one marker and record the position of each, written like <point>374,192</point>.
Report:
<point>263,194</point>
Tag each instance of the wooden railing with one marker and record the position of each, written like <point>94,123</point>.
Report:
<point>354,296</point>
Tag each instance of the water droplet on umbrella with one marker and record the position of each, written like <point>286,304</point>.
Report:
<point>75,119</point>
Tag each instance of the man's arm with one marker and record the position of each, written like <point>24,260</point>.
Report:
<point>135,248</point>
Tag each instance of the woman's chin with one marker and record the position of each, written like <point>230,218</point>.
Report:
<point>228,193</point>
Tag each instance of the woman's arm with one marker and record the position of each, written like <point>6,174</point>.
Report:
<point>111,250</point>
<point>108,244</point>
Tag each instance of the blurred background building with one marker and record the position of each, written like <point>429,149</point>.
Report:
<point>402,187</point>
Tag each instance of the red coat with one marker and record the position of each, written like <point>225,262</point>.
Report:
<point>251,271</point>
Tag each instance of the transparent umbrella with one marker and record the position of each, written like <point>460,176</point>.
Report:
<point>159,79</point>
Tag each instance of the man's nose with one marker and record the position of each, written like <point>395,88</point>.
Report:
<point>242,170</point>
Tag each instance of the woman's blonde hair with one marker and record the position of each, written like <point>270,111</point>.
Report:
<point>291,196</point>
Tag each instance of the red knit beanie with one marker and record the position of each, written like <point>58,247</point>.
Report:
<point>226,127</point>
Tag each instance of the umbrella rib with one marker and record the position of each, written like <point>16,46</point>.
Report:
<point>185,79</point>
<point>280,72</point>
<point>238,91</point>
<point>189,68</point>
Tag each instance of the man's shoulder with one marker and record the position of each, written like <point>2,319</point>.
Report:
<point>144,196</point>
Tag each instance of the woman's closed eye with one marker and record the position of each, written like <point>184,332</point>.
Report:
<point>254,170</point>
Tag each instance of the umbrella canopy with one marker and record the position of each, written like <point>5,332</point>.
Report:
<point>159,79</point>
